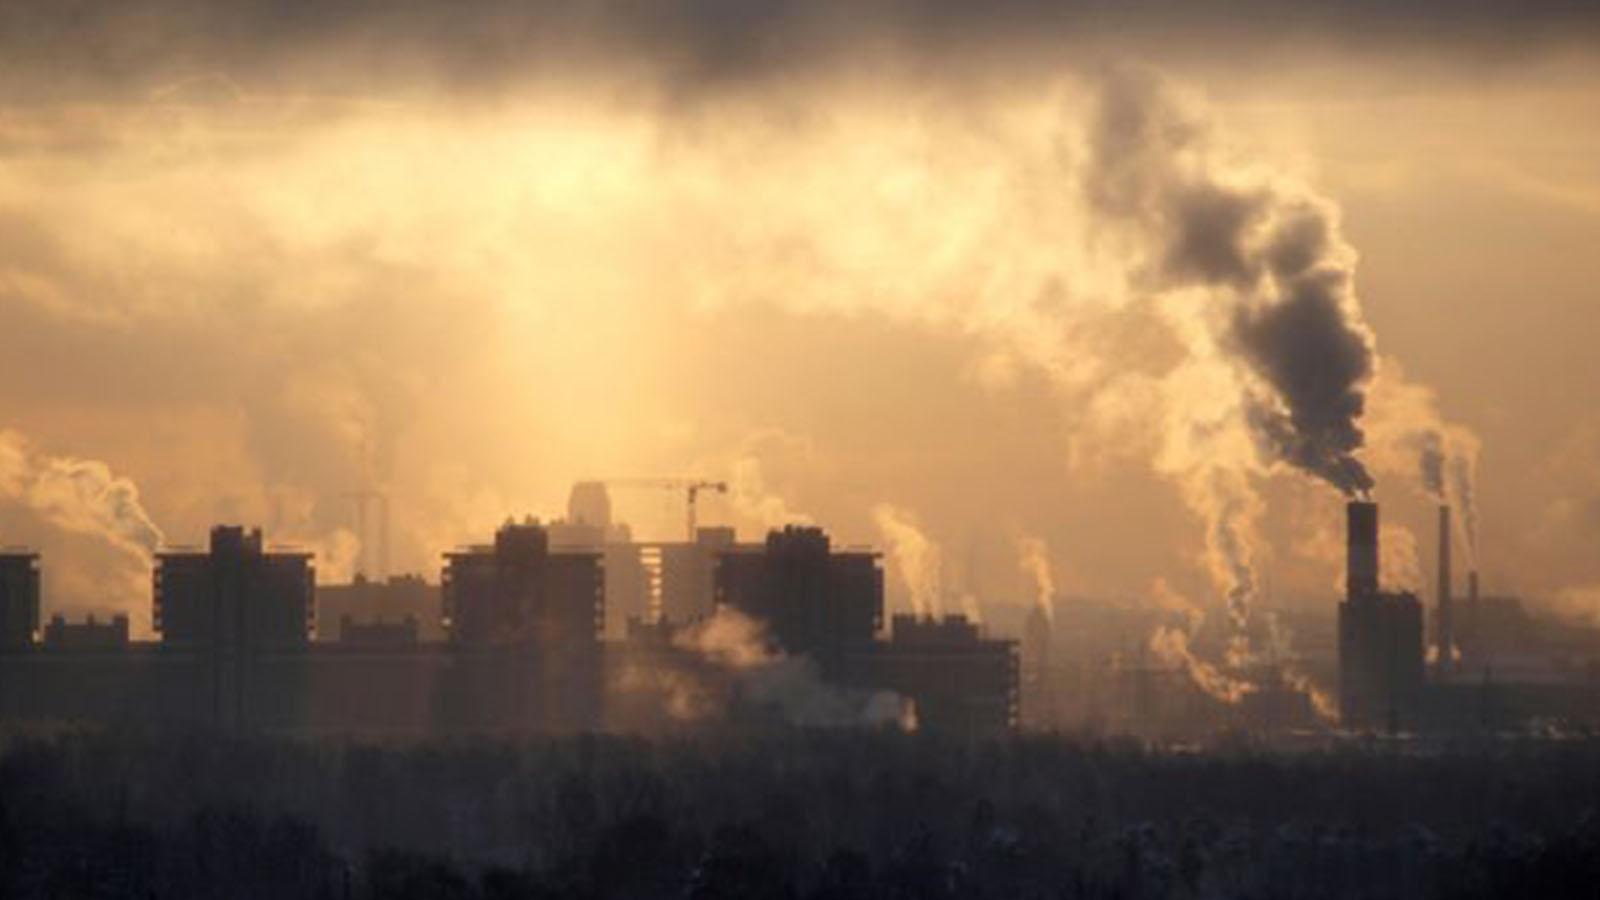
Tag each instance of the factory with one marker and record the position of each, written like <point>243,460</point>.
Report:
<point>1495,668</point>
<point>1469,663</point>
<point>1380,636</point>
<point>514,640</point>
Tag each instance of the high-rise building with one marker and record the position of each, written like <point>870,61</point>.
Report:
<point>19,598</point>
<point>241,614</point>
<point>812,598</point>
<point>235,594</point>
<point>520,590</point>
<point>589,527</point>
<point>525,622</point>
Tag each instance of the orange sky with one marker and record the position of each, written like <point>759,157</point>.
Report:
<point>248,280</point>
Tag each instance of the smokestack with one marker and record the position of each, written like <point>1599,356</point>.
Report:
<point>1361,549</point>
<point>1445,635</point>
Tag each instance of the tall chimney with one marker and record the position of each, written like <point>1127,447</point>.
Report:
<point>1361,549</point>
<point>1444,634</point>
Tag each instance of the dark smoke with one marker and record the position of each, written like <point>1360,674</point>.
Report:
<point>1317,358</point>
<point>1278,259</point>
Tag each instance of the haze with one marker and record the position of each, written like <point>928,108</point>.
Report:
<point>251,261</point>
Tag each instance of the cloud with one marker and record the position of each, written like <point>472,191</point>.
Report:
<point>220,52</point>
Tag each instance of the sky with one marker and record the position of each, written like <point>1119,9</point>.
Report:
<point>1145,289</point>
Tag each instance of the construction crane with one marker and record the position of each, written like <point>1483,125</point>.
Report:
<point>690,486</point>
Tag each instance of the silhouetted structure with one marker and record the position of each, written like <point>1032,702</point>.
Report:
<point>242,614</point>
<point>525,625</point>
<point>237,595</point>
<point>397,598</point>
<point>814,600</point>
<point>628,576</point>
<point>61,635</point>
<point>1444,626</point>
<point>961,682</point>
<point>688,574</point>
<point>19,597</point>
<point>523,650</point>
<point>1380,637</point>
<point>1038,694</point>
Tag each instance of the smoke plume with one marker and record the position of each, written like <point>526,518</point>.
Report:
<point>1170,647</point>
<point>1035,561</point>
<point>1463,483</point>
<point>916,558</point>
<point>1408,430</point>
<point>750,492</point>
<point>78,495</point>
<point>771,681</point>
<point>1270,269</point>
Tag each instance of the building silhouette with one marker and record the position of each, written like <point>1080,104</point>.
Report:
<point>525,624</point>
<point>961,681</point>
<point>814,599</point>
<point>19,598</point>
<point>397,598</point>
<point>242,615</point>
<point>1380,637</point>
<point>88,635</point>
<point>520,646</point>
<point>689,571</point>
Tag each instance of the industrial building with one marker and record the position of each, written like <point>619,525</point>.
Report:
<point>1380,636</point>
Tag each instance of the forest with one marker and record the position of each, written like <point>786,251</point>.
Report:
<point>790,814</point>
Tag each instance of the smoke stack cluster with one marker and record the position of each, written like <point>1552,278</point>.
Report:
<point>1361,558</point>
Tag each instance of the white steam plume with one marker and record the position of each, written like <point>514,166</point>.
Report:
<point>78,495</point>
<point>1406,425</point>
<point>788,685</point>
<point>1034,557</point>
<point>1170,646</point>
<point>750,494</point>
<point>916,558</point>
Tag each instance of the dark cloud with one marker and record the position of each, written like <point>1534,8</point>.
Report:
<point>62,48</point>
<point>1275,258</point>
